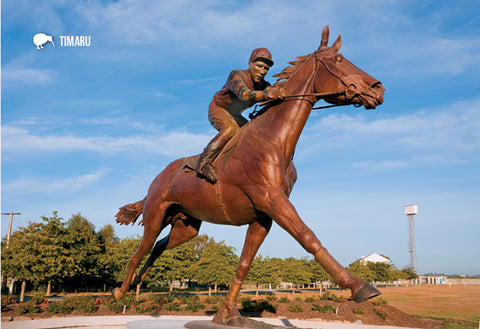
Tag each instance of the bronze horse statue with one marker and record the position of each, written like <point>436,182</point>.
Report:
<point>255,177</point>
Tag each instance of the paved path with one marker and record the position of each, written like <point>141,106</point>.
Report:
<point>163,322</point>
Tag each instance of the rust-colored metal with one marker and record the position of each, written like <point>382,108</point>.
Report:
<point>255,175</point>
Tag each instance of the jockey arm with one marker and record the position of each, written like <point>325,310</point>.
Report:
<point>238,86</point>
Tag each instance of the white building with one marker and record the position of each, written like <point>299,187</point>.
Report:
<point>374,258</point>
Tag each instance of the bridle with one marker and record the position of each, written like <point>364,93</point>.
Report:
<point>349,91</point>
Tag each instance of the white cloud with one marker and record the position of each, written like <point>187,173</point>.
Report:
<point>100,121</point>
<point>215,27</point>
<point>172,143</point>
<point>26,76</point>
<point>455,126</point>
<point>22,71</point>
<point>39,185</point>
<point>447,135</point>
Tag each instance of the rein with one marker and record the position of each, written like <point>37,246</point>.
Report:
<point>256,112</point>
<point>339,92</point>
<point>346,92</point>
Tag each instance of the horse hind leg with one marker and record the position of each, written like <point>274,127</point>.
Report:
<point>184,228</point>
<point>154,221</point>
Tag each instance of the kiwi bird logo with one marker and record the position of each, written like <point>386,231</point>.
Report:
<point>40,39</point>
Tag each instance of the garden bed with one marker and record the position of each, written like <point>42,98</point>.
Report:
<point>329,307</point>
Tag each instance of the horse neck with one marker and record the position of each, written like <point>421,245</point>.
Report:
<point>283,124</point>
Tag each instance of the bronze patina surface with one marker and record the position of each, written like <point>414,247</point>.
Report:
<point>255,175</point>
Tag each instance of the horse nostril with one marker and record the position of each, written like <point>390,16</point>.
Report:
<point>377,87</point>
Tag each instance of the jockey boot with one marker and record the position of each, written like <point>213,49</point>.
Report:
<point>207,171</point>
<point>204,166</point>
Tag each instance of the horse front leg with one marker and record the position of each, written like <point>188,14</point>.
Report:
<point>228,313</point>
<point>275,204</point>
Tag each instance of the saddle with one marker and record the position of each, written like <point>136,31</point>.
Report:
<point>191,162</point>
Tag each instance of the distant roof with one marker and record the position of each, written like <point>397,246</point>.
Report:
<point>375,258</point>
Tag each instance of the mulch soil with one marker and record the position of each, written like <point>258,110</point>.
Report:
<point>346,312</point>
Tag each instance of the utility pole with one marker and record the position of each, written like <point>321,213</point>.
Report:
<point>10,281</point>
<point>9,233</point>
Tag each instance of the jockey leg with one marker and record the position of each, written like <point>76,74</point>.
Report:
<point>227,127</point>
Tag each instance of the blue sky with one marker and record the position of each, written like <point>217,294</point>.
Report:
<point>86,129</point>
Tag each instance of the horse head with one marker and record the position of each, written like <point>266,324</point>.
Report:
<point>340,81</point>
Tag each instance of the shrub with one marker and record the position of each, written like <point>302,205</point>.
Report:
<point>146,305</point>
<point>194,306</point>
<point>258,306</point>
<point>213,299</point>
<point>359,311</point>
<point>188,299</point>
<point>27,307</point>
<point>7,301</point>
<point>63,307</point>
<point>38,297</point>
<point>118,305</point>
<point>327,295</point>
<point>309,299</point>
<point>172,306</point>
<point>323,308</point>
<point>271,297</point>
<point>378,302</point>
<point>381,313</point>
<point>295,308</point>
<point>244,299</point>
<point>84,304</point>
<point>284,300</point>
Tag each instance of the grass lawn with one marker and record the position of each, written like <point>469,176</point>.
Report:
<point>458,305</point>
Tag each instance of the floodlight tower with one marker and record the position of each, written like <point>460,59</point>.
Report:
<point>411,211</point>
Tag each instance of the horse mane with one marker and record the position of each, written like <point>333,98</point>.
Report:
<point>289,70</point>
<point>281,82</point>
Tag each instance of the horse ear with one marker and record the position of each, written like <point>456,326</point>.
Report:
<point>338,43</point>
<point>325,35</point>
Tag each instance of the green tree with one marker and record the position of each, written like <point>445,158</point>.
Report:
<point>174,264</point>
<point>264,271</point>
<point>216,265</point>
<point>295,270</point>
<point>383,271</point>
<point>84,248</point>
<point>318,272</point>
<point>121,256</point>
<point>109,244</point>
<point>199,244</point>
<point>39,253</point>
<point>409,273</point>
<point>362,271</point>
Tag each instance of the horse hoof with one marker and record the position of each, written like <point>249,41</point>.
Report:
<point>117,293</point>
<point>365,292</point>
<point>235,322</point>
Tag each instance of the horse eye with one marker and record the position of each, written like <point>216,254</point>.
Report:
<point>339,58</point>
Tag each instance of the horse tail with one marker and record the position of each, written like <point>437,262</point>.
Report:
<point>130,212</point>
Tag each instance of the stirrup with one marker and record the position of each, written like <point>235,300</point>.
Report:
<point>208,172</point>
